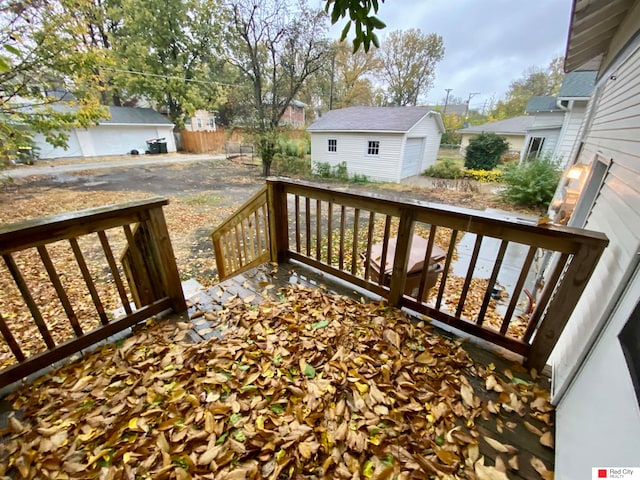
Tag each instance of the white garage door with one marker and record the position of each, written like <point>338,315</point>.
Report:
<point>412,161</point>
<point>121,140</point>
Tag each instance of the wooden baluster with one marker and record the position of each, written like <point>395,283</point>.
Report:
<point>385,250</point>
<point>297,214</point>
<point>447,267</point>
<point>88,280</point>
<point>104,241</point>
<point>492,281</point>
<point>518,289</point>
<point>341,251</point>
<point>62,295</point>
<point>401,257</point>
<point>318,229</point>
<point>265,232</point>
<point>238,248</point>
<point>258,231</point>
<point>28,298</point>
<point>11,341</point>
<point>245,247</point>
<point>469,277</point>
<point>139,282</point>
<point>354,247</point>
<point>307,213</point>
<point>166,259</point>
<point>550,285</point>
<point>426,262</point>
<point>329,233</point>
<point>367,258</point>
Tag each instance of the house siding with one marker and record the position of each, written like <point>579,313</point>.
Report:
<point>598,415</point>
<point>569,133</point>
<point>352,148</point>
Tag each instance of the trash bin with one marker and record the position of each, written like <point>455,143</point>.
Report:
<point>153,146</point>
<point>162,145</point>
<point>415,265</point>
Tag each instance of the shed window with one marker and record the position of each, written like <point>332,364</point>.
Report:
<point>187,121</point>
<point>199,120</point>
<point>212,122</point>
<point>373,147</point>
<point>332,145</point>
<point>534,149</point>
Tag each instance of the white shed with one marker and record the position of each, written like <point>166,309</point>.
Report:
<point>127,129</point>
<point>596,363</point>
<point>383,143</point>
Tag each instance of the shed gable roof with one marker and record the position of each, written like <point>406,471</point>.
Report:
<point>135,116</point>
<point>510,126</point>
<point>542,104</point>
<point>374,119</point>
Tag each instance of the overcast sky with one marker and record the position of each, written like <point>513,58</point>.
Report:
<point>488,43</point>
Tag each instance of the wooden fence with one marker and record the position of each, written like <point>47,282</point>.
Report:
<point>148,263</point>
<point>209,142</point>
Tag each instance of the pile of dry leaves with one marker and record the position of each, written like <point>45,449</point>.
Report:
<point>308,385</point>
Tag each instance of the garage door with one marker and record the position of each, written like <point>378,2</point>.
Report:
<point>118,140</point>
<point>412,161</point>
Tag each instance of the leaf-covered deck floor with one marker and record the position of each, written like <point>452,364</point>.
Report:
<point>302,384</point>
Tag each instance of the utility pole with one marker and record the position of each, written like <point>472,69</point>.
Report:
<point>446,100</point>
<point>466,110</point>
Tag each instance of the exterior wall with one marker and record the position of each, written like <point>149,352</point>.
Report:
<point>516,142</point>
<point>598,421</point>
<point>45,150</point>
<point>550,136</point>
<point>428,128</point>
<point>352,148</point>
<point>294,116</point>
<point>606,421</point>
<point>569,133</point>
<point>547,120</point>
<point>205,118</point>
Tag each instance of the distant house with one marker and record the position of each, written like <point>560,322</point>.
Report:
<point>128,129</point>
<point>294,115</point>
<point>557,119</point>
<point>383,143</point>
<point>514,130</point>
<point>202,121</point>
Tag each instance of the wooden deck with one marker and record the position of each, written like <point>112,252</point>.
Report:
<point>507,427</point>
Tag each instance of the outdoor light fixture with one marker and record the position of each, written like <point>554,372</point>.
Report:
<point>575,172</point>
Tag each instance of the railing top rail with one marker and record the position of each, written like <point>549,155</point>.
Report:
<point>250,204</point>
<point>456,216</point>
<point>38,231</point>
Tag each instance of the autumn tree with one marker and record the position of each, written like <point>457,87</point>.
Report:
<point>535,81</point>
<point>168,52</point>
<point>276,47</point>
<point>40,63</point>
<point>408,60</point>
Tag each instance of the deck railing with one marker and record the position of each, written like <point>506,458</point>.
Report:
<point>82,243</point>
<point>335,231</point>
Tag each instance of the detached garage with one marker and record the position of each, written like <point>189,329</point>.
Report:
<point>384,143</point>
<point>128,129</point>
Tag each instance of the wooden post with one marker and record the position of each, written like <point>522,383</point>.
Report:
<point>278,221</point>
<point>167,267</point>
<point>401,257</point>
<point>563,303</point>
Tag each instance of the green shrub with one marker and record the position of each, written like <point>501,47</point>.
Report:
<point>532,183</point>
<point>484,151</point>
<point>359,178</point>
<point>292,165</point>
<point>322,169</point>
<point>484,176</point>
<point>339,172</point>
<point>444,168</point>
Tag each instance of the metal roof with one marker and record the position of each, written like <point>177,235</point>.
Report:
<point>135,116</point>
<point>578,84</point>
<point>542,104</point>
<point>510,126</point>
<point>373,119</point>
<point>593,25</point>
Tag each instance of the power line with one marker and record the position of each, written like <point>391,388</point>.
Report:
<point>169,77</point>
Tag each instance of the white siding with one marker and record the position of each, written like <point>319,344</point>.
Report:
<point>412,157</point>
<point>45,150</point>
<point>550,140</point>
<point>352,148</point>
<point>547,120</point>
<point>427,127</point>
<point>569,133</point>
<point>120,140</point>
<point>598,415</point>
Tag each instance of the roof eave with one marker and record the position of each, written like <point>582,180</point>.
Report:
<point>137,124</point>
<point>334,130</point>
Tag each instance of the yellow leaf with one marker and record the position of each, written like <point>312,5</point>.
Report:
<point>126,457</point>
<point>547,439</point>
<point>260,422</point>
<point>362,387</point>
<point>426,358</point>
<point>447,456</point>
<point>133,423</point>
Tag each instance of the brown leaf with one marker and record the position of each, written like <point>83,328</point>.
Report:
<point>541,468</point>
<point>513,462</point>
<point>488,473</point>
<point>500,447</point>
<point>392,337</point>
<point>466,391</point>
<point>547,439</point>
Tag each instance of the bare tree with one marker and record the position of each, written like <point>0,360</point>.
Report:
<point>276,47</point>
<point>408,64</point>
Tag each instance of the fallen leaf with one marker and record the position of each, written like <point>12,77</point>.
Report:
<point>547,439</point>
